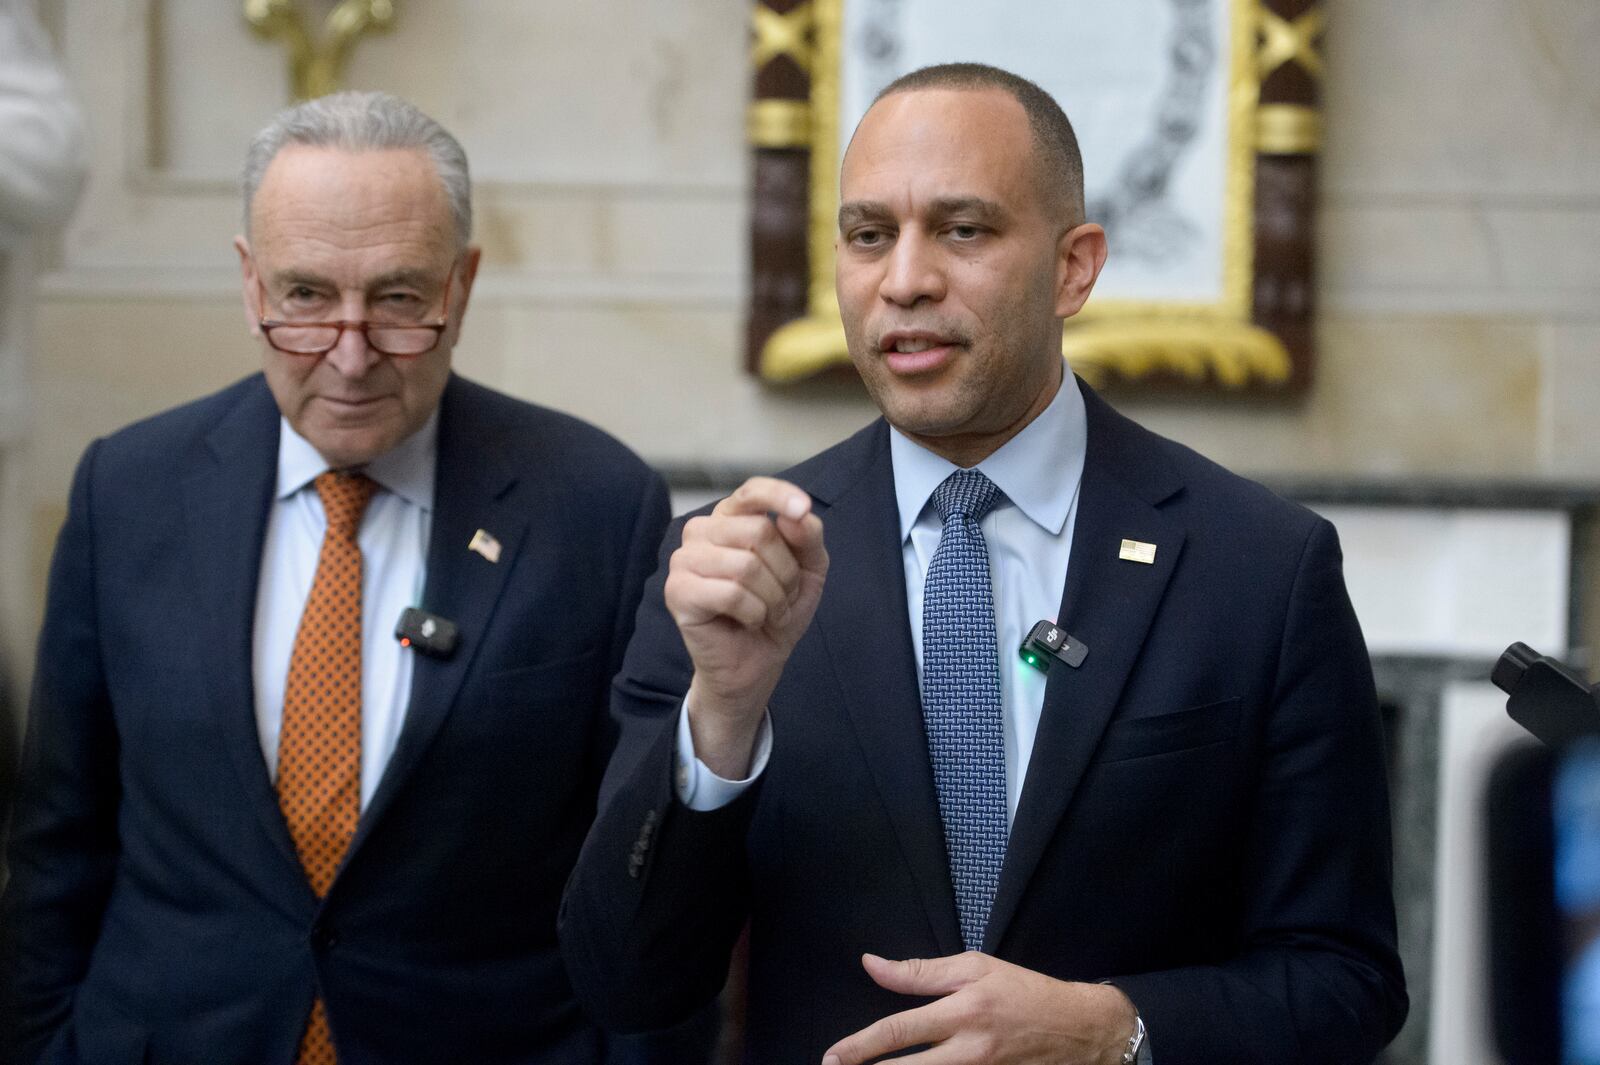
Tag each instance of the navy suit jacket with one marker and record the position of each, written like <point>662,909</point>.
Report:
<point>1204,821</point>
<point>157,911</point>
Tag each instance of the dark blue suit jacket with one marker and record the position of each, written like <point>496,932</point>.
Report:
<point>1204,820</point>
<point>157,911</point>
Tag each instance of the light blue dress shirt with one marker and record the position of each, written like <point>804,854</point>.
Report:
<point>1029,538</point>
<point>394,552</point>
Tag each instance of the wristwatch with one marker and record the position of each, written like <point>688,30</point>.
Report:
<point>1130,1055</point>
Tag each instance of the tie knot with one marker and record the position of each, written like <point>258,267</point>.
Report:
<point>344,499</point>
<point>965,493</point>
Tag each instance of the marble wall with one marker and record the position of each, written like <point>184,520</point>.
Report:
<point>1460,232</point>
<point>1459,259</point>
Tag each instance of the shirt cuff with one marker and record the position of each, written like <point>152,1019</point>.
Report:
<point>697,786</point>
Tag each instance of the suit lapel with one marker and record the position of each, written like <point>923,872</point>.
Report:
<point>473,485</point>
<point>226,501</point>
<point>1109,604</point>
<point>866,595</point>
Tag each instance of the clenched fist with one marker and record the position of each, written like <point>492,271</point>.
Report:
<point>743,587</point>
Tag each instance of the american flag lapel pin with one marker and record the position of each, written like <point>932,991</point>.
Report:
<point>486,545</point>
<point>1138,551</point>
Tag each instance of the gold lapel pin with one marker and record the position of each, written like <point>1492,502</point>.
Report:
<point>1138,551</point>
<point>485,545</point>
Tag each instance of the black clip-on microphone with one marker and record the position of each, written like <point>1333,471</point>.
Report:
<point>1547,698</point>
<point>429,633</point>
<point>1048,642</point>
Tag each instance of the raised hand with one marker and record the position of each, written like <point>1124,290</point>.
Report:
<point>743,587</point>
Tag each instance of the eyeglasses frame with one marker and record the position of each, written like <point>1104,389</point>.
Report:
<point>267,325</point>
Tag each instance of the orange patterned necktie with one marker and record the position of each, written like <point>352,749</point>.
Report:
<point>319,747</point>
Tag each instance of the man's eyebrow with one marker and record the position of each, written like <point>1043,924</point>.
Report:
<point>405,276</point>
<point>974,207</point>
<point>299,277</point>
<point>857,211</point>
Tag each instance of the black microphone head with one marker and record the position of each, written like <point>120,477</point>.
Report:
<point>1513,664</point>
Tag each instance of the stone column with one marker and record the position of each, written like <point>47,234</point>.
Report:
<point>17,611</point>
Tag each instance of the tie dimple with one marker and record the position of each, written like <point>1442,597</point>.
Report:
<point>344,500</point>
<point>961,706</point>
<point>965,493</point>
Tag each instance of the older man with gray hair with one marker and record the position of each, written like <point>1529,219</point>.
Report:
<point>319,712</point>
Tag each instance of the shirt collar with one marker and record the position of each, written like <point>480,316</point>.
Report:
<point>1038,469</point>
<point>406,469</point>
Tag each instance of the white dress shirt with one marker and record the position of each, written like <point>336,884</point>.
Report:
<point>1029,539</point>
<point>394,551</point>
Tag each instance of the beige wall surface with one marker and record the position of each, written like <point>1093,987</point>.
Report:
<point>1459,262</point>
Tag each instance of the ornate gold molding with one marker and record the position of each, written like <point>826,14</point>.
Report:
<point>827,26</point>
<point>772,123</point>
<point>316,68</point>
<point>804,347</point>
<point>1288,129</point>
<point>1283,41</point>
<point>781,34</point>
<point>816,342</point>
<point>1231,353</point>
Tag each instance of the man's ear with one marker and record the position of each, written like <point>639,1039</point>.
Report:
<point>466,275</point>
<point>249,286</point>
<point>1080,256</point>
<point>469,271</point>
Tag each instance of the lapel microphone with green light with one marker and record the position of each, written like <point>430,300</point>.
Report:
<point>1048,642</point>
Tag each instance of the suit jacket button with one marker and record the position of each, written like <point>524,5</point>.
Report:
<point>323,936</point>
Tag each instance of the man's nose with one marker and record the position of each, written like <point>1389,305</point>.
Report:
<point>913,271</point>
<point>352,356</point>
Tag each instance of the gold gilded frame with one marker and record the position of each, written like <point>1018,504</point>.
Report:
<point>1229,342</point>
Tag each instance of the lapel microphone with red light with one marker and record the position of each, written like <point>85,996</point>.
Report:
<point>425,632</point>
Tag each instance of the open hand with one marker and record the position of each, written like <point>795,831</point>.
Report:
<point>991,1012</point>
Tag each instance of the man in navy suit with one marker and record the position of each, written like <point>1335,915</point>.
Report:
<point>1172,846</point>
<point>254,826</point>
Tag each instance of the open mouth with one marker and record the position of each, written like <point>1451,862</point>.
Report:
<point>916,353</point>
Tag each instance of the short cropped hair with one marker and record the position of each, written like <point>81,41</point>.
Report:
<point>364,121</point>
<point>1060,164</point>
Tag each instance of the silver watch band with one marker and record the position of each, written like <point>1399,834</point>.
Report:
<point>1130,1055</point>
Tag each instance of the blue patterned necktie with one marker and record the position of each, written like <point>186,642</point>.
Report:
<point>961,699</point>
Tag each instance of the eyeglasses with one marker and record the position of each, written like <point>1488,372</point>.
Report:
<point>403,340</point>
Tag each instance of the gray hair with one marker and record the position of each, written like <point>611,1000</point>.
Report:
<point>364,121</point>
